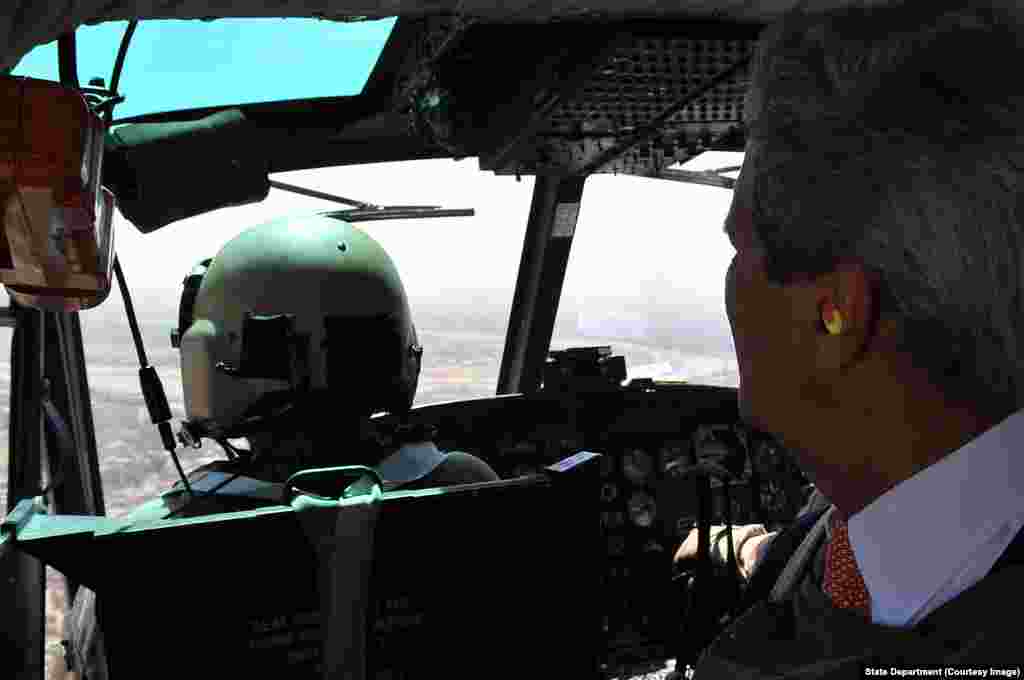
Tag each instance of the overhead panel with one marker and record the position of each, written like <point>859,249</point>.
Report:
<point>636,89</point>
<point>579,98</point>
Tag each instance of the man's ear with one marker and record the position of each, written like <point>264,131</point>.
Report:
<point>851,293</point>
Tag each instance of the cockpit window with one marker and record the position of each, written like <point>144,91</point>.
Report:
<point>176,64</point>
<point>39,63</point>
<point>646,275</point>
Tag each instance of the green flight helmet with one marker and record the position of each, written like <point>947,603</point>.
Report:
<point>342,298</point>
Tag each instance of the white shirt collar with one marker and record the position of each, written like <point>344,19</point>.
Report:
<point>939,532</point>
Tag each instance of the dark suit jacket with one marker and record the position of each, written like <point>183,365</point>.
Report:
<point>802,635</point>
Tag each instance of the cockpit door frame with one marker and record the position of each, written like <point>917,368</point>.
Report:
<point>546,246</point>
<point>22,577</point>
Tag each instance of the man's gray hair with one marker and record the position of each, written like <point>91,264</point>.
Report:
<point>894,137</point>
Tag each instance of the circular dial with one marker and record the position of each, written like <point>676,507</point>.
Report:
<point>637,466</point>
<point>642,509</point>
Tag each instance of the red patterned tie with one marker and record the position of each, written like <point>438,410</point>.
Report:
<point>843,581</point>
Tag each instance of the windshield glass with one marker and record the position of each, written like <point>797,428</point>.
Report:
<point>177,64</point>
<point>41,63</point>
<point>646,275</point>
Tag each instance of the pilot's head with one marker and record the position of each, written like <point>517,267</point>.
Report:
<point>302,314</point>
<point>882,180</point>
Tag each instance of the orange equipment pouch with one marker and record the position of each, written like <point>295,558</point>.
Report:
<point>57,245</point>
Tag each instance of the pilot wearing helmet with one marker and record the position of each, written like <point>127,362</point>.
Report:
<point>299,331</point>
<point>291,337</point>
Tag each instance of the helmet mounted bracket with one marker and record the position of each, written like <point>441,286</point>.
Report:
<point>262,340</point>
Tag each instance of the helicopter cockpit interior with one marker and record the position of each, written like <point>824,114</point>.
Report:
<point>603,477</point>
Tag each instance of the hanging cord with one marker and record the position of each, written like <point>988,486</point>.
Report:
<point>152,389</point>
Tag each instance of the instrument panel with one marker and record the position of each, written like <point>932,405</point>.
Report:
<point>646,511</point>
<point>649,440</point>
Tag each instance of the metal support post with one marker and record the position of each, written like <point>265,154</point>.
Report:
<point>23,578</point>
<point>549,233</point>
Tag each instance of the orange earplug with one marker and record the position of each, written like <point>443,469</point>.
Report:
<point>831,317</point>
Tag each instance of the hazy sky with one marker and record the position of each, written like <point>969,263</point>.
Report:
<point>635,236</point>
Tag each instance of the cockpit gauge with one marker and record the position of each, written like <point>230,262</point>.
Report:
<point>637,466</point>
<point>609,492</point>
<point>642,509</point>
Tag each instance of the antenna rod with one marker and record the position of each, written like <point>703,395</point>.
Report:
<point>152,389</point>
<point>698,177</point>
<point>319,194</point>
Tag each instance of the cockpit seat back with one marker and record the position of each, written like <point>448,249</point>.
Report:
<point>495,579</point>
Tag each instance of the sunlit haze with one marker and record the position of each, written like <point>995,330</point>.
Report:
<point>661,237</point>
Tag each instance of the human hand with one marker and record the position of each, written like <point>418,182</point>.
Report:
<point>747,541</point>
<point>688,550</point>
<point>751,551</point>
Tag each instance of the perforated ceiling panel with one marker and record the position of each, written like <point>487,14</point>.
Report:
<point>643,80</point>
<point>653,102</point>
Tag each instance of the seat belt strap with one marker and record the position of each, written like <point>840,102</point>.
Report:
<point>342,534</point>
